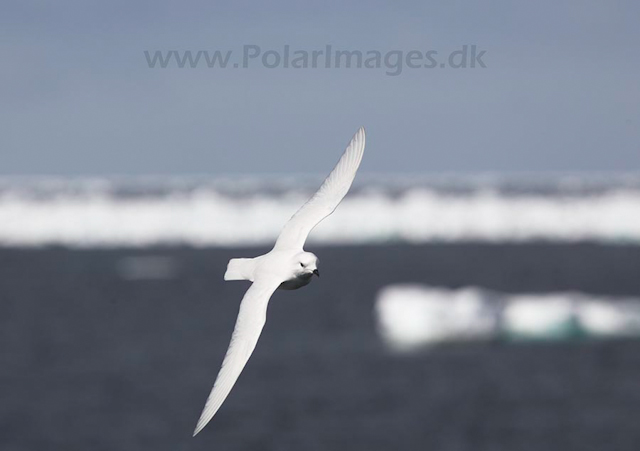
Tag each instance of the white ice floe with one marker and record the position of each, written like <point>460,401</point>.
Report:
<point>413,316</point>
<point>111,214</point>
<point>610,318</point>
<point>534,316</point>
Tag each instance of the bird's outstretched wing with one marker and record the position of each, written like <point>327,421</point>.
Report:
<point>326,199</point>
<point>251,319</point>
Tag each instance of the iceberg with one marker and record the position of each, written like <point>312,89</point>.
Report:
<point>412,316</point>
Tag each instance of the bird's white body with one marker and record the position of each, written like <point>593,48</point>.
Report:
<point>283,264</point>
<point>287,266</point>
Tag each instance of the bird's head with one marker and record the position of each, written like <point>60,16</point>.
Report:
<point>306,263</point>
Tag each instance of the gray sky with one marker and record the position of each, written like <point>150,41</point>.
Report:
<point>560,89</point>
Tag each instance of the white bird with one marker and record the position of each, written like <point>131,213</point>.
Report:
<point>286,266</point>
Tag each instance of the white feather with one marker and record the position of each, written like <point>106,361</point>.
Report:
<point>326,199</point>
<point>269,271</point>
<point>251,319</point>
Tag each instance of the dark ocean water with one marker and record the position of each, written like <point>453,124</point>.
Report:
<point>96,354</point>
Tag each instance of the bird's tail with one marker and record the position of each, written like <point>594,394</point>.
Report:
<point>240,269</point>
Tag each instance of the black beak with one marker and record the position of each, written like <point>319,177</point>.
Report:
<point>316,272</point>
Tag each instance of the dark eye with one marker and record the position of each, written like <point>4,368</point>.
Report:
<point>302,264</point>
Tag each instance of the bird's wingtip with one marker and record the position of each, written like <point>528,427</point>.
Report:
<point>200,426</point>
<point>359,134</point>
